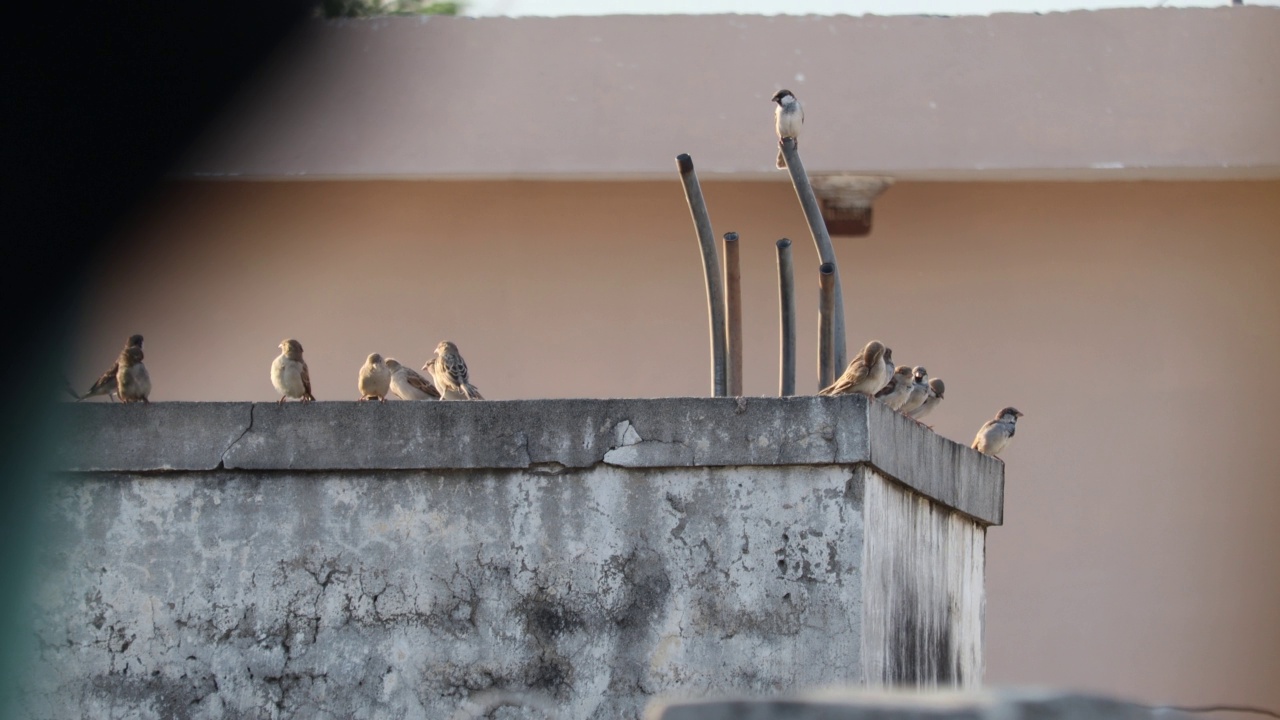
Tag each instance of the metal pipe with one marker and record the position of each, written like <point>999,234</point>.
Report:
<point>787,309</point>
<point>733,313</point>
<point>817,228</point>
<point>711,266</point>
<point>826,319</point>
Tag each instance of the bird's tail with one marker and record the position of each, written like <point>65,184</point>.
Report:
<point>470,392</point>
<point>782,162</point>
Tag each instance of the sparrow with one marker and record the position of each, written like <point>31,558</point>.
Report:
<point>936,388</point>
<point>449,371</point>
<point>106,383</point>
<point>375,379</point>
<point>919,391</point>
<point>996,434</point>
<point>865,374</point>
<point>408,384</point>
<point>898,389</point>
<point>289,373</point>
<point>787,119</point>
<point>133,382</point>
<point>889,367</point>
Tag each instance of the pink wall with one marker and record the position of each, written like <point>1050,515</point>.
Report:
<point>1135,324</point>
<point>1167,93</point>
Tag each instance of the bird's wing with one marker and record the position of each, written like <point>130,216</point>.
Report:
<point>982,431</point>
<point>306,380</point>
<point>889,387</point>
<point>106,382</point>
<point>421,383</point>
<point>457,368</point>
<point>856,373</point>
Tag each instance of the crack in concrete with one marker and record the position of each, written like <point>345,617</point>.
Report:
<point>222,460</point>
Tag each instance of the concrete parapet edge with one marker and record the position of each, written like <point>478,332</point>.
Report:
<point>539,435</point>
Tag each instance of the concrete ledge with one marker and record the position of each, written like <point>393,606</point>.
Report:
<point>906,705</point>
<point>541,435</point>
<point>159,436</point>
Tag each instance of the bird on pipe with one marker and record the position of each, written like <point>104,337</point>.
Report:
<point>787,119</point>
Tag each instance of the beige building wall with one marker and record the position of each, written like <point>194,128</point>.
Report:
<point>1135,324</point>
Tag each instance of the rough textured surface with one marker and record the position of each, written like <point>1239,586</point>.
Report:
<point>580,555</point>
<point>400,594</point>
<point>870,705</point>
<point>542,435</point>
<point>922,569</point>
<point>155,436</point>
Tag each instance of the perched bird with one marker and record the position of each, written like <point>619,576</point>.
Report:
<point>865,374</point>
<point>133,382</point>
<point>375,379</point>
<point>889,367</point>
<point>787,119</point>
<point>449,371</point>
<point>408,384</point>
<point>106,383</point>
<point>289,373</point>
<point>919,391</point>
<point>898,389</point>
<point>996,434</point>
<point>936,388</point>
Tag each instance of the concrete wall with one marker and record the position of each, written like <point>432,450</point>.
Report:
<point>1006,96</point>
<point>345,560</point>
<point>1133,560</point>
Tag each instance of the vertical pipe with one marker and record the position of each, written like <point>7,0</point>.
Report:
<point>733,313</point>
<point>817,228</point>
<point>826,322</point>
<point>787,302</point>
<point>711,266</point>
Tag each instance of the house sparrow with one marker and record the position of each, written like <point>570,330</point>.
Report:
<point>106,383</point>
<point>289,373</point>
<point>375,379</point>
<point>449,371</point>
<point>889,367</point>
<point>936,388</point>
<point>898,389</point>
<point>919,391</point>
<point>787,119</point>
<point>133,382</point>
<point>996,434</point>
<point>408,384</point>
<point>865,374</point>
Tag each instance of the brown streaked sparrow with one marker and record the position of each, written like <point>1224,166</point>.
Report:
<point>449,371</point>
<point>865,374</point>
<point>409,384</point>
<point>106,383</point>
<point>133,382</point>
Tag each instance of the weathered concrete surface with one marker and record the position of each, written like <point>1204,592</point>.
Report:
<point>398,594</point>
<point>906,705</point>
<point>143,437</point>
<point>587,555</point>
<point>922,570</point>
<point>539,435</point>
